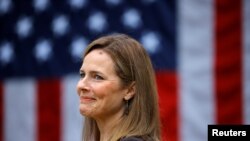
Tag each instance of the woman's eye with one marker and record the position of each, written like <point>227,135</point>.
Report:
<point>82,75</point>
<point>98,77</point>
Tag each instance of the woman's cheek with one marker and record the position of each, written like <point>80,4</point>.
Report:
<point>88,109</point>
<point>100,91</point>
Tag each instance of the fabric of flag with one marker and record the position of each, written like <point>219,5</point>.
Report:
<point>200,50</point>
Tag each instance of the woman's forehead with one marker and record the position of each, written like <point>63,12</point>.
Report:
<point>98,59</point>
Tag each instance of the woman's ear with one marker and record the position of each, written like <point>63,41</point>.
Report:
<point>130,91</point>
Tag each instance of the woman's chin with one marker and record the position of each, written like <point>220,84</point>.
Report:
<point>85,111</point>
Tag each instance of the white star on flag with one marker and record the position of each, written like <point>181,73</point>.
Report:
<point>150,41</point>
<point>77,4</point>
<point>24,27</point>
<point>97,22</point>
<point>131,18</point>
<point>5,6</point>
<point>6,53</point>
<point>60,25</point>
<point>40,5</point>
<point>43,50</point>
<point>77,48</point>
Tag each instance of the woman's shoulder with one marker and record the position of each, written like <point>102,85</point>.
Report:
<point>132,139</point>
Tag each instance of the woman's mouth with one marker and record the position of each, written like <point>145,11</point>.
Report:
<point>86,99</point>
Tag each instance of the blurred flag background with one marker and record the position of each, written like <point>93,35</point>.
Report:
<point>200,50</point>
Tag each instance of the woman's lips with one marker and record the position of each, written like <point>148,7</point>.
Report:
<point>86,99</point>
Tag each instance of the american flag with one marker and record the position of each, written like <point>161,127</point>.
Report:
<point>200,50</point>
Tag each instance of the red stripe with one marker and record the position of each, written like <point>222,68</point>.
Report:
<point>1,112</point>
<point>228,60</point>
<point>167,89</point>
<point>49,110</point>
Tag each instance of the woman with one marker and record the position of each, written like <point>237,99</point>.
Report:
<point>117,91</point>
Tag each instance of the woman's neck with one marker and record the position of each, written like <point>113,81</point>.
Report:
<point>106,126</point>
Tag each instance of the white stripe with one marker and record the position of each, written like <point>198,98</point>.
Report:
<point>72,119</point>
<point>246,59</point>
<point>19,110</point>
<point>195,44</point>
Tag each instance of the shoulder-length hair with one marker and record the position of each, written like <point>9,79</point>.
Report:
<point>132,64</point>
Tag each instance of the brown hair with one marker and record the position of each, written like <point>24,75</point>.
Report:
<point>132,64</point>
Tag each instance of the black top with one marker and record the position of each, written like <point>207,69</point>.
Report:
<point>132,139</point>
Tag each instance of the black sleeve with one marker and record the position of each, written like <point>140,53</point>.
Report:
<point>132,139</point>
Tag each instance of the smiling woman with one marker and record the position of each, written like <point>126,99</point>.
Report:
<point>117,91</point>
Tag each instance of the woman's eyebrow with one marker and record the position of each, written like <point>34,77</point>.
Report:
<point>96,72</point>
<point>91,71</point>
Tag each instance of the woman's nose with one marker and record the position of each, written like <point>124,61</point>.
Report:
<point>82,85</point>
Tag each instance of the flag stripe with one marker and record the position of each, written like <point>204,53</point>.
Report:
<point>49,97</point>
<point>195,68</point>
<point>246,60</point>
<point>168,101</point>
<point>1,111</point>
<point>20,110</point>
<point>228,68</point>
<point>71,117</point>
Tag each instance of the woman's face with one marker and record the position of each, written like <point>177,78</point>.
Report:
<point>100,91</point>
